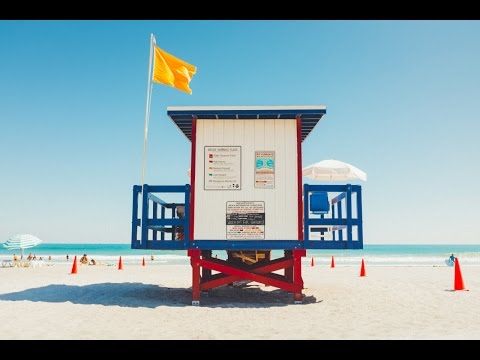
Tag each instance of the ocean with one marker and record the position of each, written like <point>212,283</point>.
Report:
<point>380,255</point>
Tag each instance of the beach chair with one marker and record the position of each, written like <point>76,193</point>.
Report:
<point>319,205</point>
<point>8,263</point>
<point>22,263</point>
<point>36,263</point>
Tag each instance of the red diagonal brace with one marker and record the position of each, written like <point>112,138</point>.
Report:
<point>219,280</point>
<point>247,275</point>
<point>274,266</point>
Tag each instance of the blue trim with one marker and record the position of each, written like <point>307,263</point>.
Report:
<point>349,212</point>
<point>246,245</point>
<point>333,216</point>
<point>144,231</point>
<point>360,215</point>
<point>155,215</point>
<point>156,200</point>
<point>265,244</point>
<point>251,112</point>
<point>183,118</point>
<point>338,198</point>
<point>340,216</point>
<point>162,234</point>
<point>135,221</point>
<point>331,221</point>
<point>167,188</point>
<point>164,222</point>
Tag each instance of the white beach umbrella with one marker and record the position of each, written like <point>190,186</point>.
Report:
<point>333,170</point>
<point>22,241</point>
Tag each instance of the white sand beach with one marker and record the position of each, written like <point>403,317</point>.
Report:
<point>153,302</point>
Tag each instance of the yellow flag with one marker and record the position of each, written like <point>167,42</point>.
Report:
<point>169,70</point>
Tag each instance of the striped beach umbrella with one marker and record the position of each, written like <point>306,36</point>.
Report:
<point>22,241</point>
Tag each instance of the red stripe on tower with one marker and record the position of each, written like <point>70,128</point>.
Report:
<point>299,178</point>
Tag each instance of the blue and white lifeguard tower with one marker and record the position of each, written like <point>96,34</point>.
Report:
<point>246,197</point>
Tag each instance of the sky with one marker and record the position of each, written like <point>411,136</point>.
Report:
<point>402,102</point>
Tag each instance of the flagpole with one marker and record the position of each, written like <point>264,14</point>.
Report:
<point>147,108</point>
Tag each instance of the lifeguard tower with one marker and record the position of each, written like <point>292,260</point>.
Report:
<point>246,197</point>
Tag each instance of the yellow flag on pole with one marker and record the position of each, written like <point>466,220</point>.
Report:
<point>169,70</point>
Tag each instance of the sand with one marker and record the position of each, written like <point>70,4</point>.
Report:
<point>153,302</point>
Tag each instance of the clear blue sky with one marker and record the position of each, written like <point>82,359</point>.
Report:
<point>402,103</point>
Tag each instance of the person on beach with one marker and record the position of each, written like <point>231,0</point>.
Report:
<point>15,258</point>
<point>179,235</point>
<point>84,259</point>
<point>30,257</point>
<point>67,257</point>
<point>452,258</point>
<point>151,257</point>
<point>93,262</point>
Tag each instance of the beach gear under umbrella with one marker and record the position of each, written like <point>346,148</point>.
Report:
<point>333,170</point>
<point>22,241</point>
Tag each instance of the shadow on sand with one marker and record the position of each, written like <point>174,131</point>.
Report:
<point>151,296</point>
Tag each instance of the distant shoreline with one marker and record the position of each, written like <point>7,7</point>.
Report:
<point>375,255</point>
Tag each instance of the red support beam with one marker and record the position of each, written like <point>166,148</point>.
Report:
<point>298,254</point>
<point>262,267</point>
<point>195,261</point>
<point>219,281</point>
<point>222,279</point>
<point>297,274</point>
<point>289,270</point>
<point>247,275</point>
<point>274,266</point>
<point>206,273</point>
<point>299,178</point>
<point>271,265</point>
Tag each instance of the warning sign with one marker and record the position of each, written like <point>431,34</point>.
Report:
<point>265,169</point>
<point>245,220</point>
<point>222,168</point>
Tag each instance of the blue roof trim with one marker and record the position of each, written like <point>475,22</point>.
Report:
<point>183,118</point>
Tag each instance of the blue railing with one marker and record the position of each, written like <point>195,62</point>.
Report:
<point>338,221</point>
<point>158,222</point>
<point>153,223</point>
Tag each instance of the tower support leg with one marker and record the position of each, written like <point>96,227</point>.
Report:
<point>289,270</point>
<point>206,273</point>
<point>265,272</point>
<point>195,262</point>
<point>297,274</point>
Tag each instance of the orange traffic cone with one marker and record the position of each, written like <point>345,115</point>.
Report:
<point>143,262</point>
<point>313,262</point>
<point>332,265</point>
<point>74,266</point>
<point>362,269</point>
<point>458,285</point>
<point>120,265</point>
